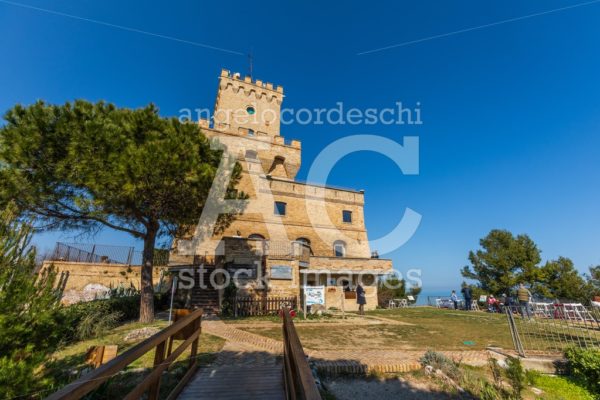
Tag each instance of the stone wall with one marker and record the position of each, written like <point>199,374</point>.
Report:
<point>87,279</point>
<point>334,295</point>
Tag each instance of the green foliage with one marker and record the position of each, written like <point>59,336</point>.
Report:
<point>88,166</point>
<point>96,325</point>
<point>94,318</point>
<point>389,289</point>
<point>558,387</point>
<point>496,372</point>
<point>441,362</point>
<point>584,367</point>
<point>487,391</point>
<point>560,280</point>
<point>503,261</point>
<point>593,281</point>
<point>228,298</point>
<point>30,319</point>
<point>515,375</point>
<point>415,291</point>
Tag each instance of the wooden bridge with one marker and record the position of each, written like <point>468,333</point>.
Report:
<point>238,372</point>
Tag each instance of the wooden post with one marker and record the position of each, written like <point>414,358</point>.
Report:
<point>91,260</point>
<point>172,296</point>
<point>159,356</point>
<point>343,305</point>
<point>304,295</point>
<point>194,350</point>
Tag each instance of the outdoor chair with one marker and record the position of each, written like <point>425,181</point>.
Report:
<point>392,304</point>
<point>577,312</point>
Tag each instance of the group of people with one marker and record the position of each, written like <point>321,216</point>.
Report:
<point>494,304</point>
<point>467,295</point>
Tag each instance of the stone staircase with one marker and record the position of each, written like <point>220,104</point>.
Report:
<point>204,295</point>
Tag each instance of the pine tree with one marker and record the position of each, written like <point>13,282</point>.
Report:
<point>29,308</point>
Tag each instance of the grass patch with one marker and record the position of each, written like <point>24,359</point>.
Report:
<point>67,364</point>
<point>429,328</point>
<point>558,388</point>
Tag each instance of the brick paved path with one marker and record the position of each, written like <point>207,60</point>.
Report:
<point>232,334</point>
<point>249,366</point>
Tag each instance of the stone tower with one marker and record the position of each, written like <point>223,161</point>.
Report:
<point>253,106</point>
<point>252,109</point>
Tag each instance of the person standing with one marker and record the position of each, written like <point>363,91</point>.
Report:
<point>466,292</point>
<point>361,299</point>
<point>454,299</point>
<point>524,296</point>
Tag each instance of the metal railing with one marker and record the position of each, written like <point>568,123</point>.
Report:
<point>552,328</point>
<point>286,249</point>
<point>187,329</point>
<point>104,254</point>
<point>297,375</point>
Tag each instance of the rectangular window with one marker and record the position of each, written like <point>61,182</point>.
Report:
<point>347,216</point>
<point>279,208</point>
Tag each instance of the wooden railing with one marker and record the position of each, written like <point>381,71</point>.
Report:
<point>297,376</point>
<point>187,329</point>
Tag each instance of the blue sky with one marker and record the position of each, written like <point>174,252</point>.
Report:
<point>511,112</point>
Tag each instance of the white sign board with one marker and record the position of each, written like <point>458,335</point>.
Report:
<point>314,295</point>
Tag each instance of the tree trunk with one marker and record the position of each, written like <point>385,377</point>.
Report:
<point>146,284</point>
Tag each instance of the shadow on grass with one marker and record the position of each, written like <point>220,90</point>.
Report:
<point>69,369</point>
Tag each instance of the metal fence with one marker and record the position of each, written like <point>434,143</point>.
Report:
<point>105,254</point>
<point>552,328</point>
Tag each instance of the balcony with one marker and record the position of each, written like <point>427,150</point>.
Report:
<point>238,247</point>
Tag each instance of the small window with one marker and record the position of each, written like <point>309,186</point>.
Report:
<point>347,216</point>
<point>251,155</point>
<point>339,248</point>
<point>280,208</point>
<point>250,110</point>
<point>250,132</point>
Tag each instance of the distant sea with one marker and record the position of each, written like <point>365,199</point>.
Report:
<point>422,299</point>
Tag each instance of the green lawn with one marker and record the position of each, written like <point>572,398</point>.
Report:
<point>67,364</point>
<point>425,328</point>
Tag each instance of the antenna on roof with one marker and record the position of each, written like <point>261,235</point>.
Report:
<point>250,63</point>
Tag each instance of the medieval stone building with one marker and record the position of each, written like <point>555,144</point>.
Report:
<point>296,234</point>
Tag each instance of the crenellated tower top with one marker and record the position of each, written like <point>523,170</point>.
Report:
<point>244,103</point>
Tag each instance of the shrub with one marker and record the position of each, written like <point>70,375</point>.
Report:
<point>389,289</point>
<point>95,324</point>
<point>487,391</point>
<point>30,323</point>
<point>228,299</point>
<point>584,367</point>
<point>515,375</point>
<point>441,362</point>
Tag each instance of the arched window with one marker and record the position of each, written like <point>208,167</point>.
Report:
<point>304,240</point>
<point>256,236</point>
<point>339,248</point>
